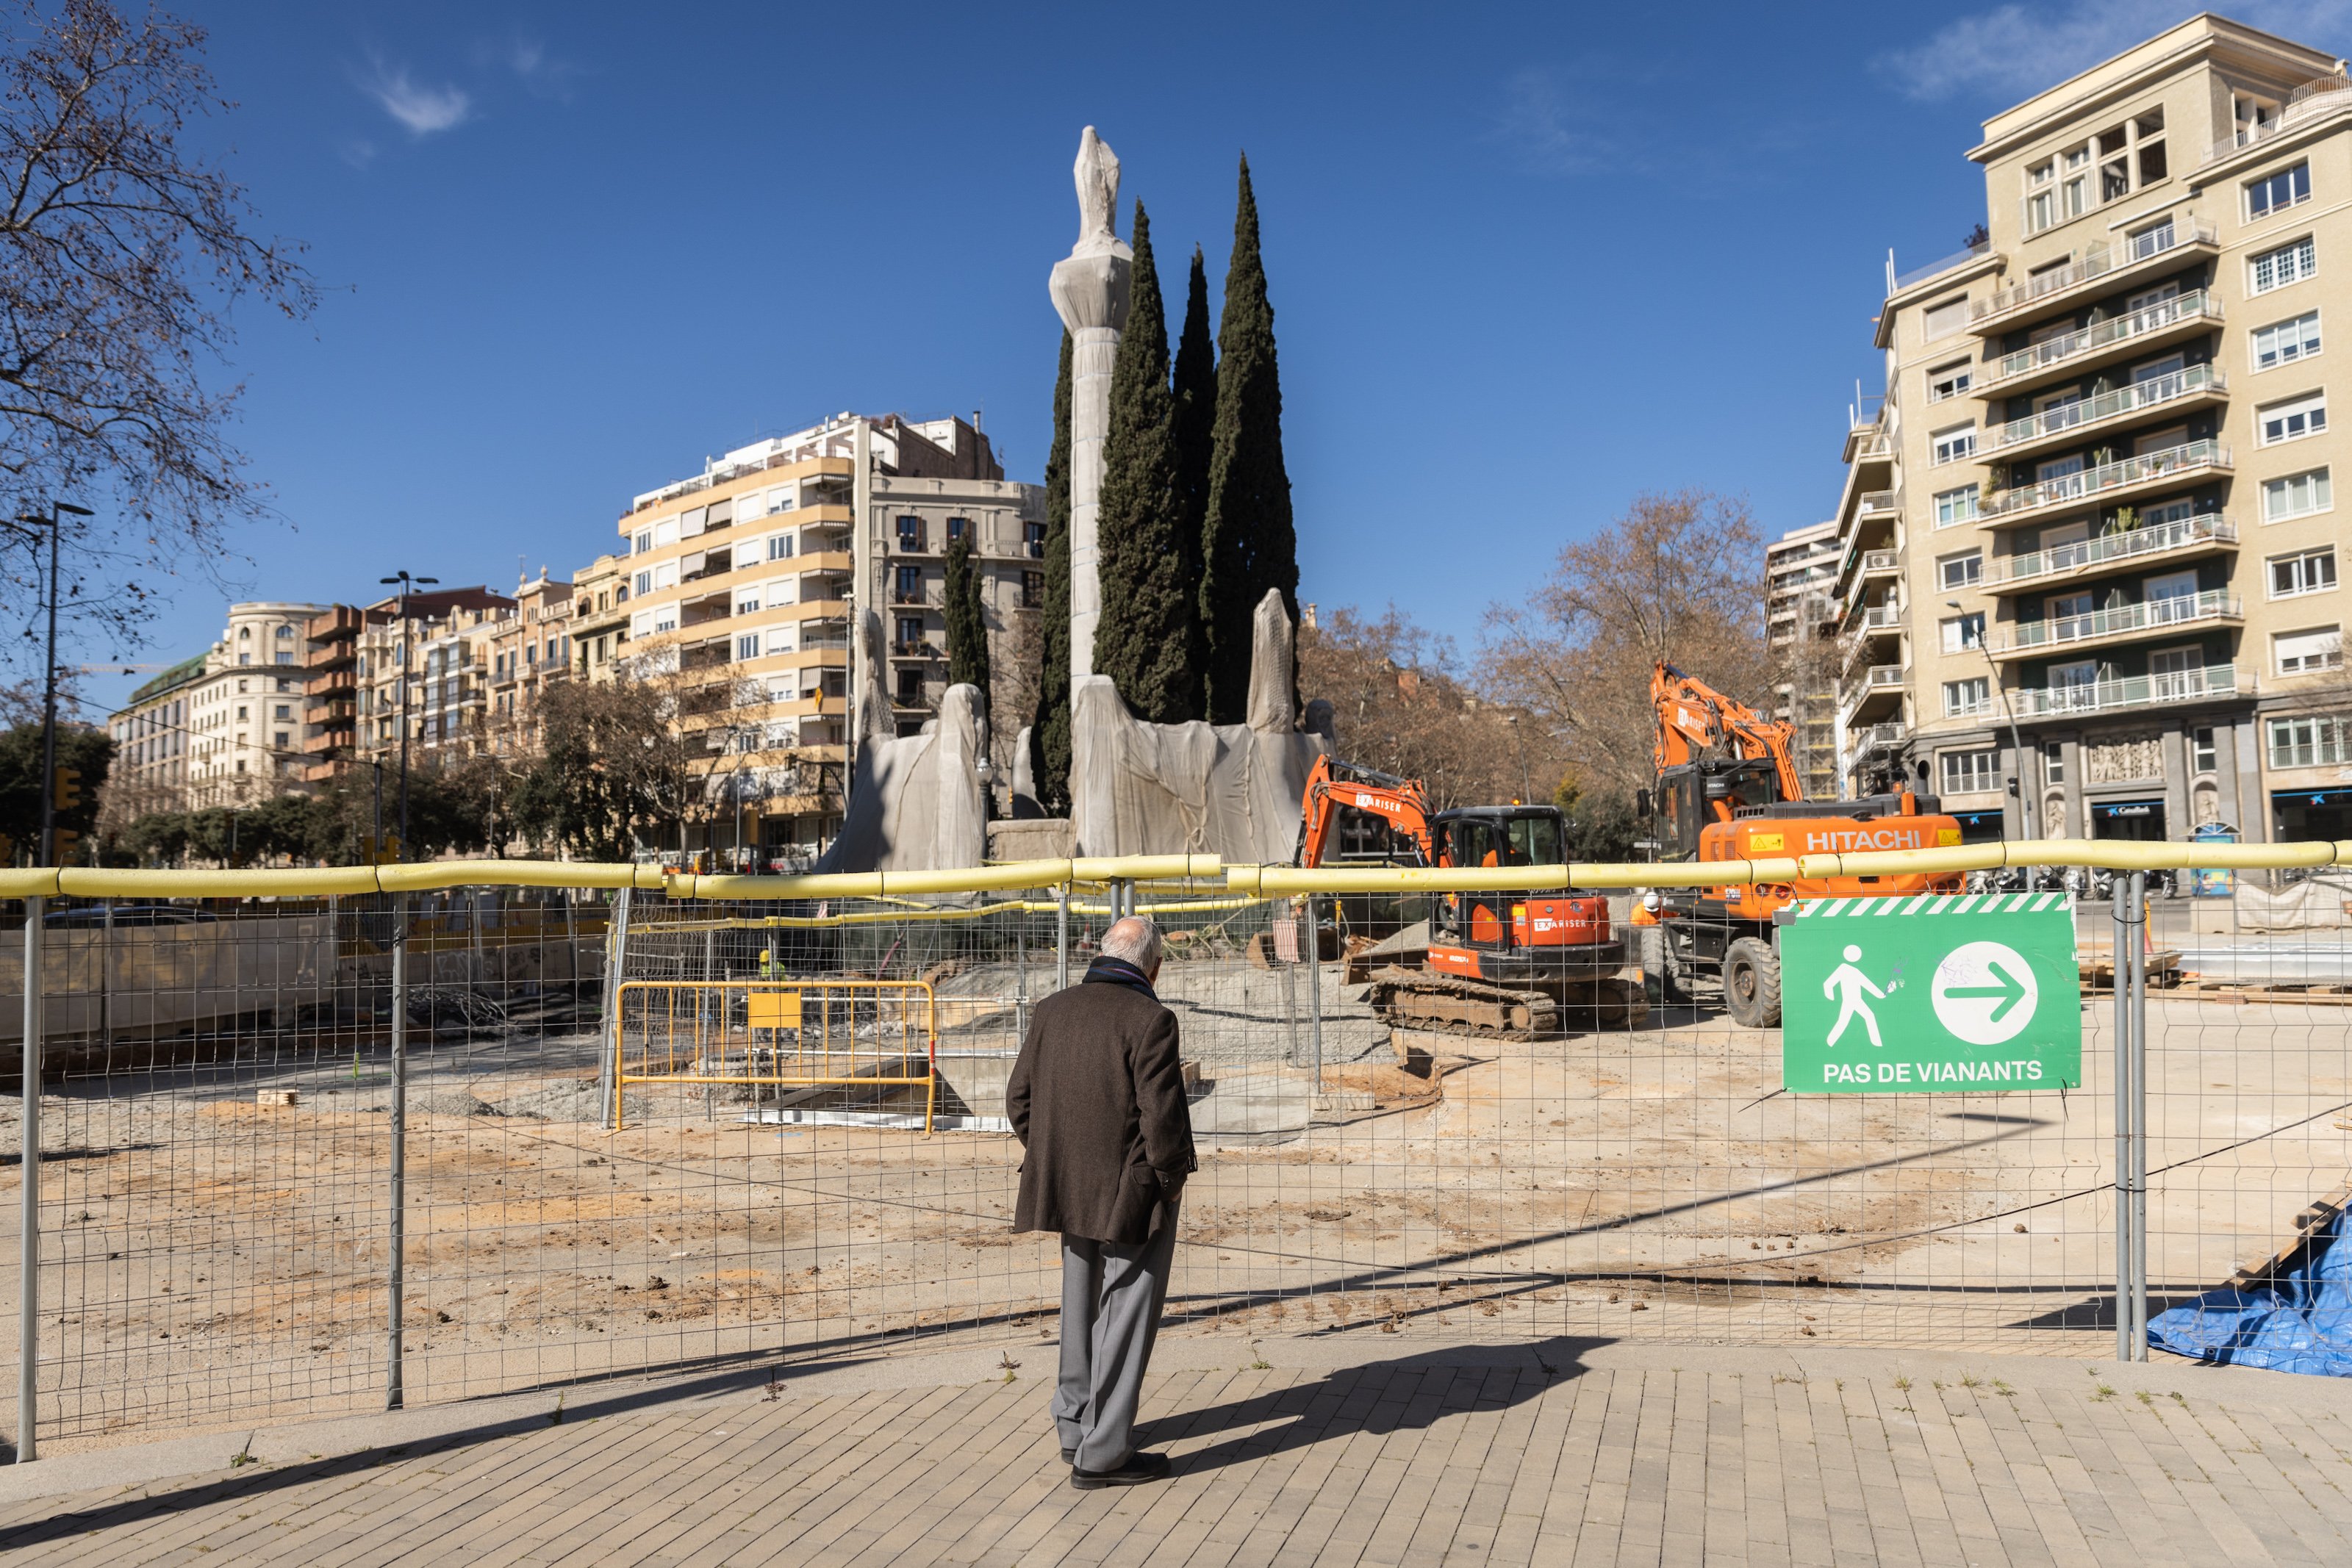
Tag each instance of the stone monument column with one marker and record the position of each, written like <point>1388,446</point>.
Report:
<point>1090,294</point>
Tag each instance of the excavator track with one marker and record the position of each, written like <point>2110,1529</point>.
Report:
<point>1440,1003</point>
<point>1447,1004</point>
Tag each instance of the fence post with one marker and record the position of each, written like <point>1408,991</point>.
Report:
<point>2119,977</point>
<point>1062,937</point>
<point>395,1393</point>
<point>28,1258</point>
<point>2139,1115</point>
<point>1315,990</point>
<point>616,955</point>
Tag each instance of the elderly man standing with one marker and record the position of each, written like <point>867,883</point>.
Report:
<point>1097,1102</point>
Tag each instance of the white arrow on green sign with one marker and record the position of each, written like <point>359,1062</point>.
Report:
<point>1937,994</point>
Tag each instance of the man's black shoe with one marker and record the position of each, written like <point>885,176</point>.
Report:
<point>1139,1468</point>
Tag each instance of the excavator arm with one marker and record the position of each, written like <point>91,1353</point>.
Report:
<point>1698,722</point>
<point>1399,802</point>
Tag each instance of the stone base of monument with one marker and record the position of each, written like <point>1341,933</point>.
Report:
<point>1031,838</point>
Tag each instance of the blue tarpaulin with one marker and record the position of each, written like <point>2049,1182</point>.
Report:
<point>2298,1320</point>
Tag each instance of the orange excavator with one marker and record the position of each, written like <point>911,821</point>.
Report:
<point>1727,790</point>
<point>1500,965</point>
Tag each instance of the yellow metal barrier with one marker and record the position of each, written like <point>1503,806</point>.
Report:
<point>1245,881</point>
<point>781,1034</point>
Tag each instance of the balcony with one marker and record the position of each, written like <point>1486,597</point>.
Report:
<point>2312,101</point>
<point>2075,354</point>
<point>2171,467</point>
<point>2098,271</point>
<point>2062,426</point>
<point>1879,504</point>
<point>2032,703</point>
<point>2120,624</point>
<point>1879,736</point>
<point>2209,533</point>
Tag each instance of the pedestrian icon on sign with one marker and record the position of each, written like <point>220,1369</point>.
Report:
<point>1844,987</point>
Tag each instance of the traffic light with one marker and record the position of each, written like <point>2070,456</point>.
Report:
<point>65,788</point>
<point>68,841</point>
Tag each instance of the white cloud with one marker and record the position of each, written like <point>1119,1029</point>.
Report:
<point>541,74</point>
<point>422,110</point>
<point>2016,51</point>
<point>1553,124</point>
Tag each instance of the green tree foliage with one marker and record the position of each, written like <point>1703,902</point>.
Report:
<point>1049,731</point>
<point>1600,823</point>
<point>1249,543</point>
<point>967,625</point>
<point>80,746</point>
<point>1195,416</point>
<point>449,814</point>
<point>1145,641</point>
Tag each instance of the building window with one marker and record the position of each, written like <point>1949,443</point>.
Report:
<point>1954,445</point>
<point>2294,420</point>
<point>2305,571</point>
<point>2309,652</point>
<point>1032,590</point>
<point>2053,762</point>
<point>1956,507</point>
<point>1965,570</point>
<point>1948,381</point>
<point>747,600</point>
<point>911,685</point>
<point>1033,534</point>
<point>1962,632</point>
<point>910,533</point>
<point>2279,192</point>
<point>908,586</point>
<point>1970,772</point>
<point>2204,756</point>
<point>959,528</point>
<point>2277,269</point>
<point>645,583</point>
<point>285,711</point>
<point>644,542</point>
<point>779,546</point>
<point>747,646</point>
<point>2295,495</point>
<point>910,632</point>
<point>2285,343</point>
<point>2317,740</point>
<point>1944,319</point>
<point>1964,698</point>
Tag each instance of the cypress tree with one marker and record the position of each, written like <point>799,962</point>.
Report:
<point>967,625</point>
<point>1248,544</point>
<point>1145,640</point>
<point>1049,730</point>
<point>1196,413</point>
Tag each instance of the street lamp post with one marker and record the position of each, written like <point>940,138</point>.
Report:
<point>407,583</point>
<point>55,524</point>
<point>2016,745</point>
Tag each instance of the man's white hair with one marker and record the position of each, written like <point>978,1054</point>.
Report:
<point>1135,939</point>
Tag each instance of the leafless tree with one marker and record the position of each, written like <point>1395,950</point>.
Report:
<point>1679,578</point>
<point>124,252</point>
<point>1397,706</point>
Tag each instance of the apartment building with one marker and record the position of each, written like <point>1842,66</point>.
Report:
<point>521,650</point>
<point>354,659</point>
<point>2087,580</point>
<point>1799,568</point>
<point>599,617</point>
<point>223,729</point>
<point>741,584</point>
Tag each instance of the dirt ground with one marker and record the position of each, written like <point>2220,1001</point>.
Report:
<point>209,1258</point>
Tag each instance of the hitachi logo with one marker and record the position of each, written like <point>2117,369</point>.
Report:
<point>1824,842</point>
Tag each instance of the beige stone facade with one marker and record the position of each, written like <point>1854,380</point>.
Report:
<point>2088,573</point>
<point>225,728</point>
<point>1799,569</point>
<point>743,582</point>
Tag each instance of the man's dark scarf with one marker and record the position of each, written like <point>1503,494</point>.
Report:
<point>1110,971</point>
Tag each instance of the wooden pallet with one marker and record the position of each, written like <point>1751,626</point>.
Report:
<point>2315,1214</point>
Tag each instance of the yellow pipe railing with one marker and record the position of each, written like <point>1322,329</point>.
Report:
<point>1240,881</point>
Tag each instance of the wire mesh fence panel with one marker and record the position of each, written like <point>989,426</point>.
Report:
<point>668,1165</point>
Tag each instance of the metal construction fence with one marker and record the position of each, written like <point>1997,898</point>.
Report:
<point>304,1146</point>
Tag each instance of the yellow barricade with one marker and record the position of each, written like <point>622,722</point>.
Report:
<point>781,1034</point>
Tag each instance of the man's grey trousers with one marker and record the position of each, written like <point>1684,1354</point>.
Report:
<point>1112,1293</point>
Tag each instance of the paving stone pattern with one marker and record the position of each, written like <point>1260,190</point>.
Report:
<point>1438,1456</point>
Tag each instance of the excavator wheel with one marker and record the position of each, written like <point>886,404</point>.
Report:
<point>1751,984</point>
<point>1667,965</point>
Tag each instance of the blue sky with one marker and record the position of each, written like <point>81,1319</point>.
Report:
<point>1526,262</point>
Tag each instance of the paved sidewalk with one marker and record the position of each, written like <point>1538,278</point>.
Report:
<point>1371,1448</point>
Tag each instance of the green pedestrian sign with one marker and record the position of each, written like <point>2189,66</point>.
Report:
<point>1938,994</point>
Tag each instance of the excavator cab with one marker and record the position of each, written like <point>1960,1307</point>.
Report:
<point>1696,793</point>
